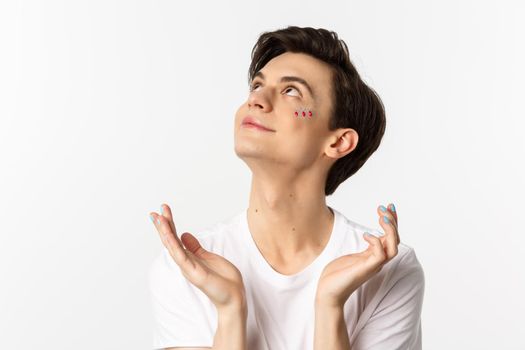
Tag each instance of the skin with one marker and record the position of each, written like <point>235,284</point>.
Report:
<point>303,113</point>
<point>287,216</point>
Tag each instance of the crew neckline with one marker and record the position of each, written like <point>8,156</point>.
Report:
<point>315,266</point>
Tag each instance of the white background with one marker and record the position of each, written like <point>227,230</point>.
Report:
<point>109,108</point>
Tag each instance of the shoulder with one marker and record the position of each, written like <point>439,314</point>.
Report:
<point>401,283</point>
<point>403,273</point>
<point>405,266</point>
<point>405,261</point>
<point>408,261</point>
<point>219,231</point>
<point>391,304</point>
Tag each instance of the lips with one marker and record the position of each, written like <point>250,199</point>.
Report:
<point>252,121</point>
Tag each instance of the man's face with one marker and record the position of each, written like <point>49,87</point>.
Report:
<point>297,142</point>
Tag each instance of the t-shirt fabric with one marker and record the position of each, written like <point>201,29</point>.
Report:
<point>383,313</point>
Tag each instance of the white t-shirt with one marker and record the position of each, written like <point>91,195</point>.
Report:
<point>383,313</point>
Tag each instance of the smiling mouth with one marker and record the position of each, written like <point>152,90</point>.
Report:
<point>255,126</point>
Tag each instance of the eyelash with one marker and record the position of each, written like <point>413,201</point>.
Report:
<point>252,87</point>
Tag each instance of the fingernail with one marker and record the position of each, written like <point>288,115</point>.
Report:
<point>161,208</point>
<point>393,208</point>
<point>383,209</point>
<point>151,218</point>
<point>385,219</point>
<point>158,221</point>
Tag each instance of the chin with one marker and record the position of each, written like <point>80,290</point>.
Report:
<point>249,149</point>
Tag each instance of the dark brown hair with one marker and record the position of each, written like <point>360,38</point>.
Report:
<point>354,104</point>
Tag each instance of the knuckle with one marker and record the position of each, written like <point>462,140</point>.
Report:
<point>381,254</point>
<point>384,257</point>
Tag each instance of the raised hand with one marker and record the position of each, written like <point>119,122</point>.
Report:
<point>341,277</point>
<point>218,278</point>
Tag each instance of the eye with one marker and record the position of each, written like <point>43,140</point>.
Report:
<point>293,87</point>
<point>254,85</point>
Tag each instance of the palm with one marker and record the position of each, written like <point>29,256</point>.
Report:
<point>341,277</point>
<point>344,275</point>
<point>218,278</point>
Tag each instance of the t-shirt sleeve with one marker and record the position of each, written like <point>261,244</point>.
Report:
<point>396,322</point>
<point>181,313</point>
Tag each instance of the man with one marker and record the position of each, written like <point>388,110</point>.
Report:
<point>290,272</point>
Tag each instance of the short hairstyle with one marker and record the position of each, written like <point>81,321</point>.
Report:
<point>354,104</point>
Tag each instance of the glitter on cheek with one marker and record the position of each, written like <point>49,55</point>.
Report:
<point>303,112</point>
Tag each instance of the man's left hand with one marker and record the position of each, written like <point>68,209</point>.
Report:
<point>344,275</point>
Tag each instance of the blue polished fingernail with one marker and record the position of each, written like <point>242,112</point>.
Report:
<point>393,208</point>
<point>385,219</point>
<point>161,208</point>
<point>158,220</point>
<point>151,218</point>
<point>383,209</point>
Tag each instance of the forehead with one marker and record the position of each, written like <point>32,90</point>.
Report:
<point>317,73</point>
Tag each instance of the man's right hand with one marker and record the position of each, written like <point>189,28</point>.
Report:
<point>218,278</point>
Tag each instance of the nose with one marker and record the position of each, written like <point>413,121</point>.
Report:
<point>258,99</point>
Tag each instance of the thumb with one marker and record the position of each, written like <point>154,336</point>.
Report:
<point>192,244</point>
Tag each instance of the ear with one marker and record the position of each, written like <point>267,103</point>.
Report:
<point>342,142</point>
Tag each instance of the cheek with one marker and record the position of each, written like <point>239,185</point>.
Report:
<point>303,113</point>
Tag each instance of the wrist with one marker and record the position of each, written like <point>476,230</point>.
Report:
<point>231,332</point>
<point>330,330</point>
<point>233,310</point>
<point>328,303</point>
<point>329,309</point>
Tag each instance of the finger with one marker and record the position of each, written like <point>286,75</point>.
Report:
<point>165,210</point>
<point>376,248</point>
<point>169,239</point>
<point>392,210</point>
<point>390,239</point>
<point>392,218</point>
<point>383,211</point>
<point>192,244</point>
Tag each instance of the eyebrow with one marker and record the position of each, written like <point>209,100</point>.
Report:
<point>289,78</point>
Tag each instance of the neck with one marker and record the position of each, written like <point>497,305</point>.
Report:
<point>289,220</point>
